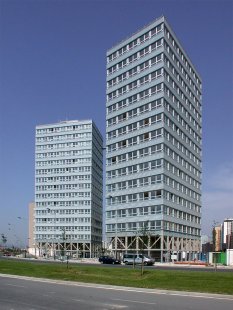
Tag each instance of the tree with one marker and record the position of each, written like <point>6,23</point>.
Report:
<point>63,237</point>
<point>4,239</point>
<point>144,237</point>
<point>214,244</point>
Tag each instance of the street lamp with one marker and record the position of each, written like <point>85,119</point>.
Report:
<point>53,239</point>
<point>24,243</point>
<point>64,241</point>
<point>116,228</point>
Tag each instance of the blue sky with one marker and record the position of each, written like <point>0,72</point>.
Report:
<point>52,68</point>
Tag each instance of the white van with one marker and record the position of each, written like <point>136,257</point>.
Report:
<point>138,259</point>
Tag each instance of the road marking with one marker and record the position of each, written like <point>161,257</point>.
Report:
<point>191,294</point>
<point>49,294</point>
<point>138,302</point>
<point>115,306</point>
<point>196,296</point>
<point>125,289</point>
<point>15,285</point>
<point>6,300</point>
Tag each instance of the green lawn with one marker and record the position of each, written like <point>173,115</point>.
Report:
<point>196,281</point>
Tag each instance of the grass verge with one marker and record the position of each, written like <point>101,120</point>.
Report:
<point>195,281</point>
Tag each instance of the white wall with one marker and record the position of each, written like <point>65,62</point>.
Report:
<point>229,257</point>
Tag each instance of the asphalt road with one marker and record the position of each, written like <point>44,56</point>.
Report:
<point>159,266</point>
<point>37,294</point>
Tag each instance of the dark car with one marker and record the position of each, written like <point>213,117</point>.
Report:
<point>109,260</point>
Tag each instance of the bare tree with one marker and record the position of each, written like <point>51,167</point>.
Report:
<point>214,245</point>
<point>4,239</point>
<point>144,237</point>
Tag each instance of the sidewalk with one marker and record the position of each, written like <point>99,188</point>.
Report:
<point>170,264</point>
<point>190,265</point>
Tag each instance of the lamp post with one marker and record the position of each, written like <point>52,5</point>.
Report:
<point>116,232</point>
<point>53,243</point>
<point>23,241</point>
<point>64,248</point>
<point>116,228</point>
<point>64,241</point>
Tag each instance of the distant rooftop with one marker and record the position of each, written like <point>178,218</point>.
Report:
<point>67,122</point>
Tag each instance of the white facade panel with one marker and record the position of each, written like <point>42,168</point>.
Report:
<point>68,184</point>
<point>153,142</point>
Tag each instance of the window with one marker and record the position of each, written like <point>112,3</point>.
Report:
<point>146,195</point>
<point>146,122</point>
<point>123,143</point>
<point>132,212</point>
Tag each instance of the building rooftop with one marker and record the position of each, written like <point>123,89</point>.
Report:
<point>66,122</point>
<point>129,36</point>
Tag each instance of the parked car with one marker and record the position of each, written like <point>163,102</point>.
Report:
<point>109,260</point>
<point>138,259</point>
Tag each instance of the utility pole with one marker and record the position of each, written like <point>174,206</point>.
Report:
<point>64,240</point>
<point>54,231</point>
<point>214,245</point>
<point>116,226</point>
